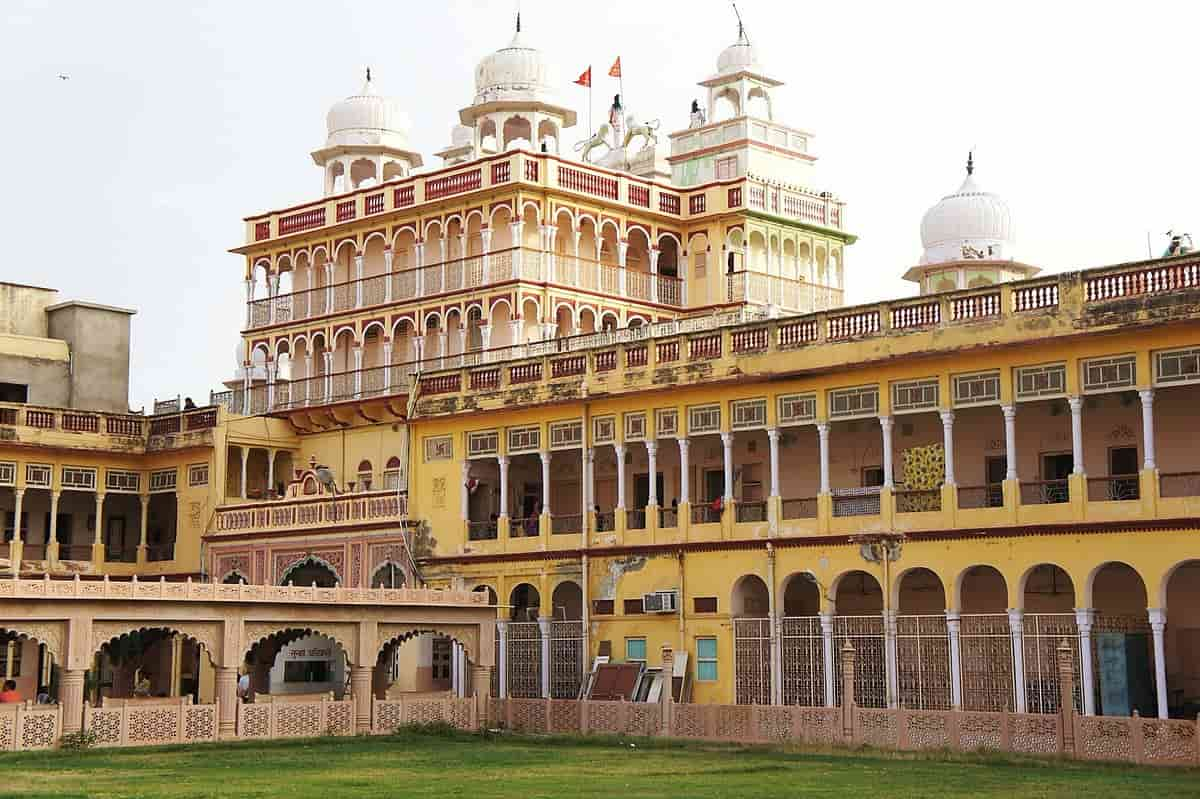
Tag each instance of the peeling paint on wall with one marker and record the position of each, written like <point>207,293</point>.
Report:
<point>616,568</point>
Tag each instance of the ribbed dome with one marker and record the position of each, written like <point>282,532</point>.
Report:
<point>971,223</point>
<point>738,57</point>
<point>515,72</point>
<point>367,118</point>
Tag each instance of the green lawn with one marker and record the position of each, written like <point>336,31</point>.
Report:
<point>465,765</point>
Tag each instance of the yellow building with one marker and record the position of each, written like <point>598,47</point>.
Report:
<point>623,397</point>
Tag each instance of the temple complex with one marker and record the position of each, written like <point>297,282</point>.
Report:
<point>563,409</point>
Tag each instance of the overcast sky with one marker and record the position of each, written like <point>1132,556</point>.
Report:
<point>126,184</point>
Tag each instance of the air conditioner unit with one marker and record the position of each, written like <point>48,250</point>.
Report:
<point>660,602</point>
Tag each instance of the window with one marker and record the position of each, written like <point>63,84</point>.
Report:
<point>1041,381</point>
<point>705,604</point>
<point>439,448</point>
<point>752,482</point>
<point>198,474</point>
<point>1177,366</point>
<point>524,439</point>
<point>704,419</point>
<point>485,442</point>
<point>635,427</point>
<point>441,659</point>
<point>391,474</point>
<point>122,481</point>
<point>79,477</point>
<point>603,607</point>
<point>635,650</point>
<point>37,475</point>
<point>162,480</point>
<point>8,473</point>
<point>749,414</point>
<point>306,671</point>
<point>366,474</point>
<point>1109,374</point>
<point>634,606</point>
<point>666,422</point>
<point>10,520</point>
<point>10,659</point>
<point>981,388</point>
<point>566,435</point>
<point>915,395</point>
<point>797,408</point>
<point>604,430</point>
<point>872,476</point>
<point>14,392</point>
<point>849,403</point>
<point>706,659</point>
<point>727,168</point>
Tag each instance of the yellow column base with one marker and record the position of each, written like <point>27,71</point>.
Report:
<point>143,558</point>
<point>15,550</point>
<point>545,529</point>
<point>52,552</point>
<point>728,518</point>
<point>774,514</point>
<point>1148,490</point>
<point>98,553</point>
<point>683,517</point>
<point>502,530</point>
<point>1077,485</point>
<point>1012,498</point>
<point>887,507</point>
<point>652,521</point>
<point>824,512</point>
<point>950,504</point>
<point>619,521</point>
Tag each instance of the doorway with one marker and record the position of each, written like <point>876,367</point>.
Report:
<point>995,469</point>
<point>641,490</point>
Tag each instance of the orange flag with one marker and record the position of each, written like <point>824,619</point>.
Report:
<point>615,72</point>
<point>586,78</point>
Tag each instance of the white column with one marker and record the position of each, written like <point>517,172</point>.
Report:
<point>683,469</point>
<point>585,485</point>
<point>1016,627</point>
<point>272,373</point>
<point>52,534</point>
<point>387,365</point>
<point>823,438</point>
<point>1010,441</point>
<point>270,469</point>
<point>654,253</point>
<point>502,633</point>
<point>19,493</point>
<point>885,425</point>
<point>1076,404</point>
<point>245,459</point>
<point>358,358</point>
<point>465,502</point>
<point>419,264</point>
<point>387,277</point>
<point>502,460</point>
<point>455,686</point>
<point>485,239</point>
<point>328,375</point>
<point>358,276</point>
<point>622,252</point>
<point>891,658</point>
<point>952,633</point>
<point>619,449</point>
<point>1084,617</point>
<point>652,458</point>
<point>328,286</point>
<point>272,290</point>
<point>249,299</point>
<point>516,233</point>
<point>727,443</point>
<point>948,444</point>
<point>544,627</point>
<point>1158,625</point>
<point>545,482</point>
<point>828,659</point>
<point>773,438</point>
<point>1147,395</point>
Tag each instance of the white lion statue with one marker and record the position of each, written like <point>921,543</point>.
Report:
<point>600,138</point>
<point>646,130</point>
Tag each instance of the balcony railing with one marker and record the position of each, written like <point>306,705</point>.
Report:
<point>108,424</point>
<point>668,518</point>
<point>802,508</point>
<point>322,512</point>
<point>796,296</point>
<point>467,274</point>
<point>751,511</point>
<point>1117,488</point>
<point>985,496</point>
<point>562,523</point>
<point>524,527</point>
<point>635,519</point>
<point>605,522</point>
<point>482,531</point>
<point>705,513</point>
<point>1045,492</point>
<point>1179,484</point>
<point>856,502</point>
<point>918,501</point>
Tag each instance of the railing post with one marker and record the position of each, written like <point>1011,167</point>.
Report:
<point>667,729</point>
<point>847,676</point>
<point>1066,683</point>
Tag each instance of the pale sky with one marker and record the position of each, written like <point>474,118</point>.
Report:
<point>127,183</point>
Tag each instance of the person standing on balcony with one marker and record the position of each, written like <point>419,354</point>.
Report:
<point>10,694</point>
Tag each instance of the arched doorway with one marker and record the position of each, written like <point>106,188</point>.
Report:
<point>749,605</point>
<point>422,663</point>
<point>523,666</point>
<point>151,662</point>
<point>30,665</point>
<point>1182,639</point>
<point>802,642</point>
<point>1122,646</point>
<point>568,657</point>
<point>858,601</point>
<point>1047,619</point>
<point>922,642</point>
<point>985,640</point>
<point>298,662</point>
<point>310,571</point>
<point>388,575</point>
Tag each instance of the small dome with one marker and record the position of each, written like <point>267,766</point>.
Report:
<point>967,225</point>
<point>367,118</point>
<point>515,72</point>
<point>738,57</point>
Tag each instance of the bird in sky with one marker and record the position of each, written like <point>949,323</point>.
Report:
<point>61,76</point>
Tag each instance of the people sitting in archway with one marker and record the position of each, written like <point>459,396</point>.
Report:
<point>10,694</point>
<point>531,523</point>
<point>43,695</point>
<point>188,404</point>
<point>599,520</point>
<point>243,683</point>
<point>142,686</point>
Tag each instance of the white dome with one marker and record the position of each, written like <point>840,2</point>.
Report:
<point>969,224</point>
<point>738,57</point>
<point>367,118</point>
<point>515,72</point>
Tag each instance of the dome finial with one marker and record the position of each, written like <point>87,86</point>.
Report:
<point>741,25</point>
<point>970,162</point>
<point>368,74</point>
<point>518,20</point>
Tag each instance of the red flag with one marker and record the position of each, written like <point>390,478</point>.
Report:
<point>586,78</point>
<point>615,72</point>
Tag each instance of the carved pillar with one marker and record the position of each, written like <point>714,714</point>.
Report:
<point>684,469</point>
<point>70,690</point>
<point>481,682</point>
<point>544,629</point>
<point>502,461</point>
<point>953,633</point>
<point>245,461</point>
<point>652,459</point>
<point>1158,625</point>
<point>1147,395</point>
<point>1010,441</point>
<point>823,440</point>
<point>1084,618</point>
<point>227,701</point>
<point>827,658</point>
<point>891,658</point>
<point>502,633</point>
<point>1076,404</point>
<point>360,689</point>
<point>619,449</point>
<point>727,445</point>
<point>948,444</point>
<point>1016,627</point>
<point>141,550</point>
<point>52,535</point>
<point>885,425</point>
<point>97,539</point>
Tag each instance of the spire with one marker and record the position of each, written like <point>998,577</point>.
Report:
<point>970,163</point>
<point>518,20</point>
<point>368,74</point>
<point>741,27</point>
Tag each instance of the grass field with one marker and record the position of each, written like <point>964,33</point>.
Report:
<point>423,765</point>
